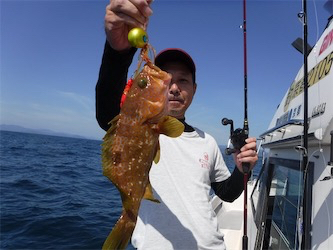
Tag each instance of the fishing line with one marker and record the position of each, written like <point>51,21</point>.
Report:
<point>299,229</point>
<point>299,221</point>
<point>306,223</point>
<point>316,18</point>
<point>246,166</point>
<point>316,62</point>
<point>238,136</point>
<point>321,151</point>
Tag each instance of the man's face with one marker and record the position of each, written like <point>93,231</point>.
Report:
<point>181,89</point>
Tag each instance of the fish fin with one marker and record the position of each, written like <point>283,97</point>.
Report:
<point>107,145</point>
<point>149,194</point>
<point>171,127</point>
<point>108,138</point>
<point>113,124</point>
<point>158,153</point>
<point>114,120</point>
<point>121,232</point>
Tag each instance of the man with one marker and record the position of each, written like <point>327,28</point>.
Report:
<point>190,165</point>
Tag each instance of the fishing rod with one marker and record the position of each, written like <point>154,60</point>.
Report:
<point>306,220</point>
<point>238,136</point>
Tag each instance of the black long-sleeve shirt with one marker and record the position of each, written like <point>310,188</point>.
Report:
<point>109,88</point>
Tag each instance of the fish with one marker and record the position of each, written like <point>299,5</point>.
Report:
<point>131,144</point>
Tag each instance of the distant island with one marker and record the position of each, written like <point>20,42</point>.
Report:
<point>16,128</point>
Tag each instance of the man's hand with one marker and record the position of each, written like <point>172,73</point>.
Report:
<point>248,153</point>
<point>123,15</point>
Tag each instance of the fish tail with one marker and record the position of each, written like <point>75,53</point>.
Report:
<point>121,233</point>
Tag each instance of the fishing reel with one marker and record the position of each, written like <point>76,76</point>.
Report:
<point>237,137</point>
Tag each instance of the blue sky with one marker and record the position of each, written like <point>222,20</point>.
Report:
<point>51,53</point>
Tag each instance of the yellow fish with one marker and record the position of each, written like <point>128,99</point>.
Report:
<point>131,144</point>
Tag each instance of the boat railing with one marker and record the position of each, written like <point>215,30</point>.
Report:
<point>297,122</point>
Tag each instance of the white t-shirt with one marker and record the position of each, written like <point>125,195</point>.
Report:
<point>181,181</point>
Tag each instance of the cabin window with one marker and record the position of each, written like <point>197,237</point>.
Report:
<point>275,203</point>
<point>284,196</point>
<point>260,193</point>
<point>287,193</point>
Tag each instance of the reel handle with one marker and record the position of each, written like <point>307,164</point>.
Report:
<point>226,121</point>
<point>237,136</point>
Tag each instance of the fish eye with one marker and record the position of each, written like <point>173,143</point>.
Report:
<point>142,83</point>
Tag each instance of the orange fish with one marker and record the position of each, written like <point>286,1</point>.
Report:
<point>131,144</point>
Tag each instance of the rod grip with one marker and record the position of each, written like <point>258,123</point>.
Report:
<point>246,167</point>
<point>331,153</point>
<point>245,242</point>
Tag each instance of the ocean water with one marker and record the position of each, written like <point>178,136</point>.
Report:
<point>53,194</point>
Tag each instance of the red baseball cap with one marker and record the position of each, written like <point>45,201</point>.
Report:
<point>175,54</point>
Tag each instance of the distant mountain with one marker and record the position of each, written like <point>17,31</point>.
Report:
<point>16,128</point>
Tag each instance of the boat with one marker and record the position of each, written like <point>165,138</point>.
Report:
<point>290,203</point>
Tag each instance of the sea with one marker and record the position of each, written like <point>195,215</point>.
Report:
<point>53,194</point>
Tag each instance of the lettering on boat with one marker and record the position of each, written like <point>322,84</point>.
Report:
<point>318,110</point>
<point>289,115</point>
<point>283,119</point>
<point>317,73</point>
